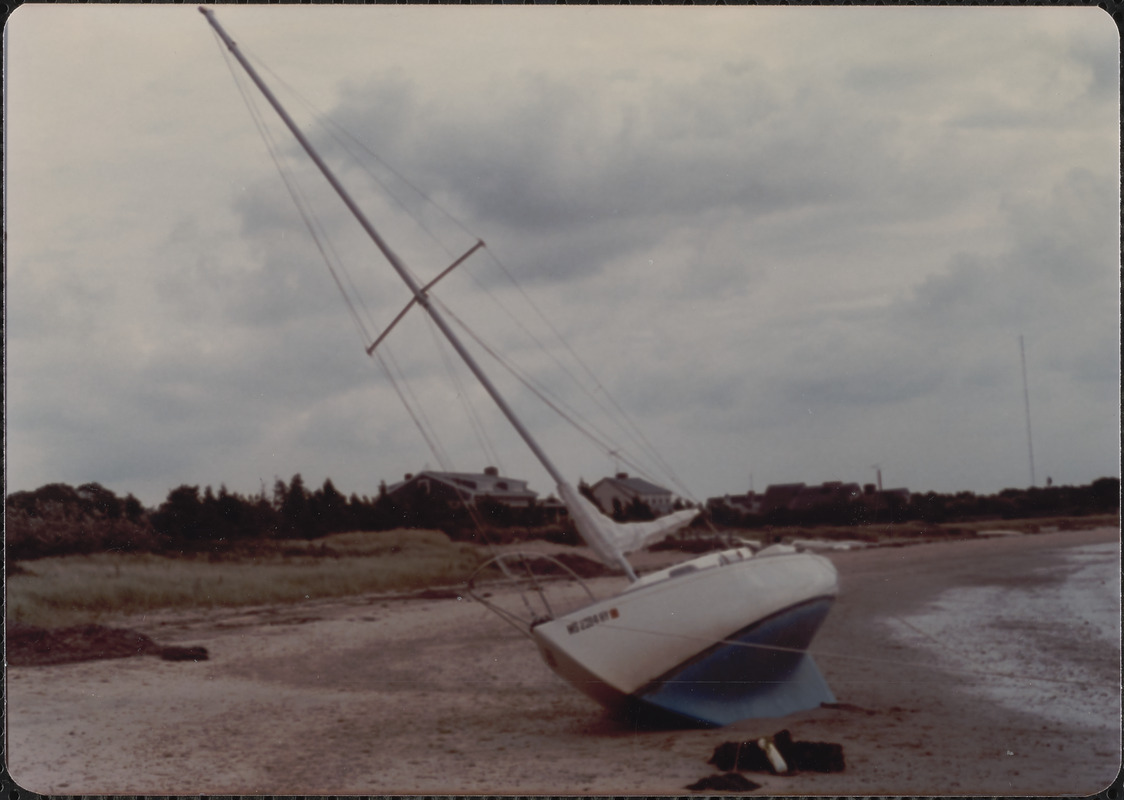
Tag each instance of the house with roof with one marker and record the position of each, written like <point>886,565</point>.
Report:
<point>749,503</point>
<point>876,498</point>
<point>827,493</point>
<point>464,488</point>
<point>780,495</point>
<point>624,490</point>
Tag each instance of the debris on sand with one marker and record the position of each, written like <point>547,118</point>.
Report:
<point>437,593</point>
<point>795,756</point>
<point>728,782</point>
<point>31,646</point>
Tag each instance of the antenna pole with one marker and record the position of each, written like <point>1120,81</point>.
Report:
<point>1026,402</point>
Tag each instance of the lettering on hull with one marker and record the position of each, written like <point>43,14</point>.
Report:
<point>585,623</point>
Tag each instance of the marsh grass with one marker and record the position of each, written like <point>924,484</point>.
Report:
<point>71,590</point>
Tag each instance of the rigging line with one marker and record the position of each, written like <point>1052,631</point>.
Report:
<point>559,406</point>
<point>389,365</point>
<point>548,351</point>
<point>419,418</point>
<point>324,121</point>
<point>473,418</point>
<point>635,431</point>
<point>629,426</point>
<point>313,225</point>
<point>336,266</point>
<point>409,408</point>
<point>556,404</point>
<point>416,411</point>
<point>428,432</point>
<point>332,127</point>
<point>552,400</point>
<point>525,381</point>
<point>413,407</point>
<point>421,421</point>
<point>541,391</point>
<point>638,437</point>
<point>850,657</point>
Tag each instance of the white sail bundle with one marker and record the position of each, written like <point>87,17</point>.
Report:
<point>609,539</point>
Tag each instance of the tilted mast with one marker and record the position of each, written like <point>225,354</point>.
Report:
<point>422,299</point>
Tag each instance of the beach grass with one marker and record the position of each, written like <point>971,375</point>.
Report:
<point>71,590</point>
<point>77,589</point>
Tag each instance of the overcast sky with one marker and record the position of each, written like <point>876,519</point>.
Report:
<point>791,243</point>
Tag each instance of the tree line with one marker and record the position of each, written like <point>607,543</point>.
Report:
<point>1102,496</point>
<point>59,519</point>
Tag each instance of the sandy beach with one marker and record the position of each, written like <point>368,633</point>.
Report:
<point>379,696</point>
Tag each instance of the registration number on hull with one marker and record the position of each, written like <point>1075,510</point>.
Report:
<point>585,623</point>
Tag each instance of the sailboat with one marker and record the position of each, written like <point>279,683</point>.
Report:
<point>707,642</point>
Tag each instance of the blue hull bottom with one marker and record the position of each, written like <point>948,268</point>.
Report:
<point>741,678</point>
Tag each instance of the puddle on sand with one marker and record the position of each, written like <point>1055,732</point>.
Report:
<point>1059,636</point>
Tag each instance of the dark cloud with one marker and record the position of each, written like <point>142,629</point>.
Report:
<point>551,158</point>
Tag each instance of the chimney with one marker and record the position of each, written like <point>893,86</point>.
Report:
<point>409,475</point>
<point>622,476</point>
<point>491,471</point>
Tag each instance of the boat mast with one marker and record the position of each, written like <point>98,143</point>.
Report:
<point>419,294</point>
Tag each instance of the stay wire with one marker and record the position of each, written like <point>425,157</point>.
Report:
<point>473,418</point>
<point>353,298</point>
<point>331,259</point>
<point>420,419</point>
<point>527,382</point>
<point>327,251</point>
<point>342,135</point>
<point>556,404</point>
<point>627,424</point>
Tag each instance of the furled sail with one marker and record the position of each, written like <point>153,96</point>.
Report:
<point>609,539</point>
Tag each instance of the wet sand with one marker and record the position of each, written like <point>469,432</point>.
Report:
<point>382,696</point>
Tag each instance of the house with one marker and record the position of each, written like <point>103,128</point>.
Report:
<point>748,503</point>
<point>780,495</point>
<point>464,488</point>
<point>624,490</point>
<point>827,493</point>
<point>793,497</point>
<point>552,510</point>
<point>884,498</point>
<point>799,497</point>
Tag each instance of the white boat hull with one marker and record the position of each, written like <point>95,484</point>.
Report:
<point>710,641</point>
